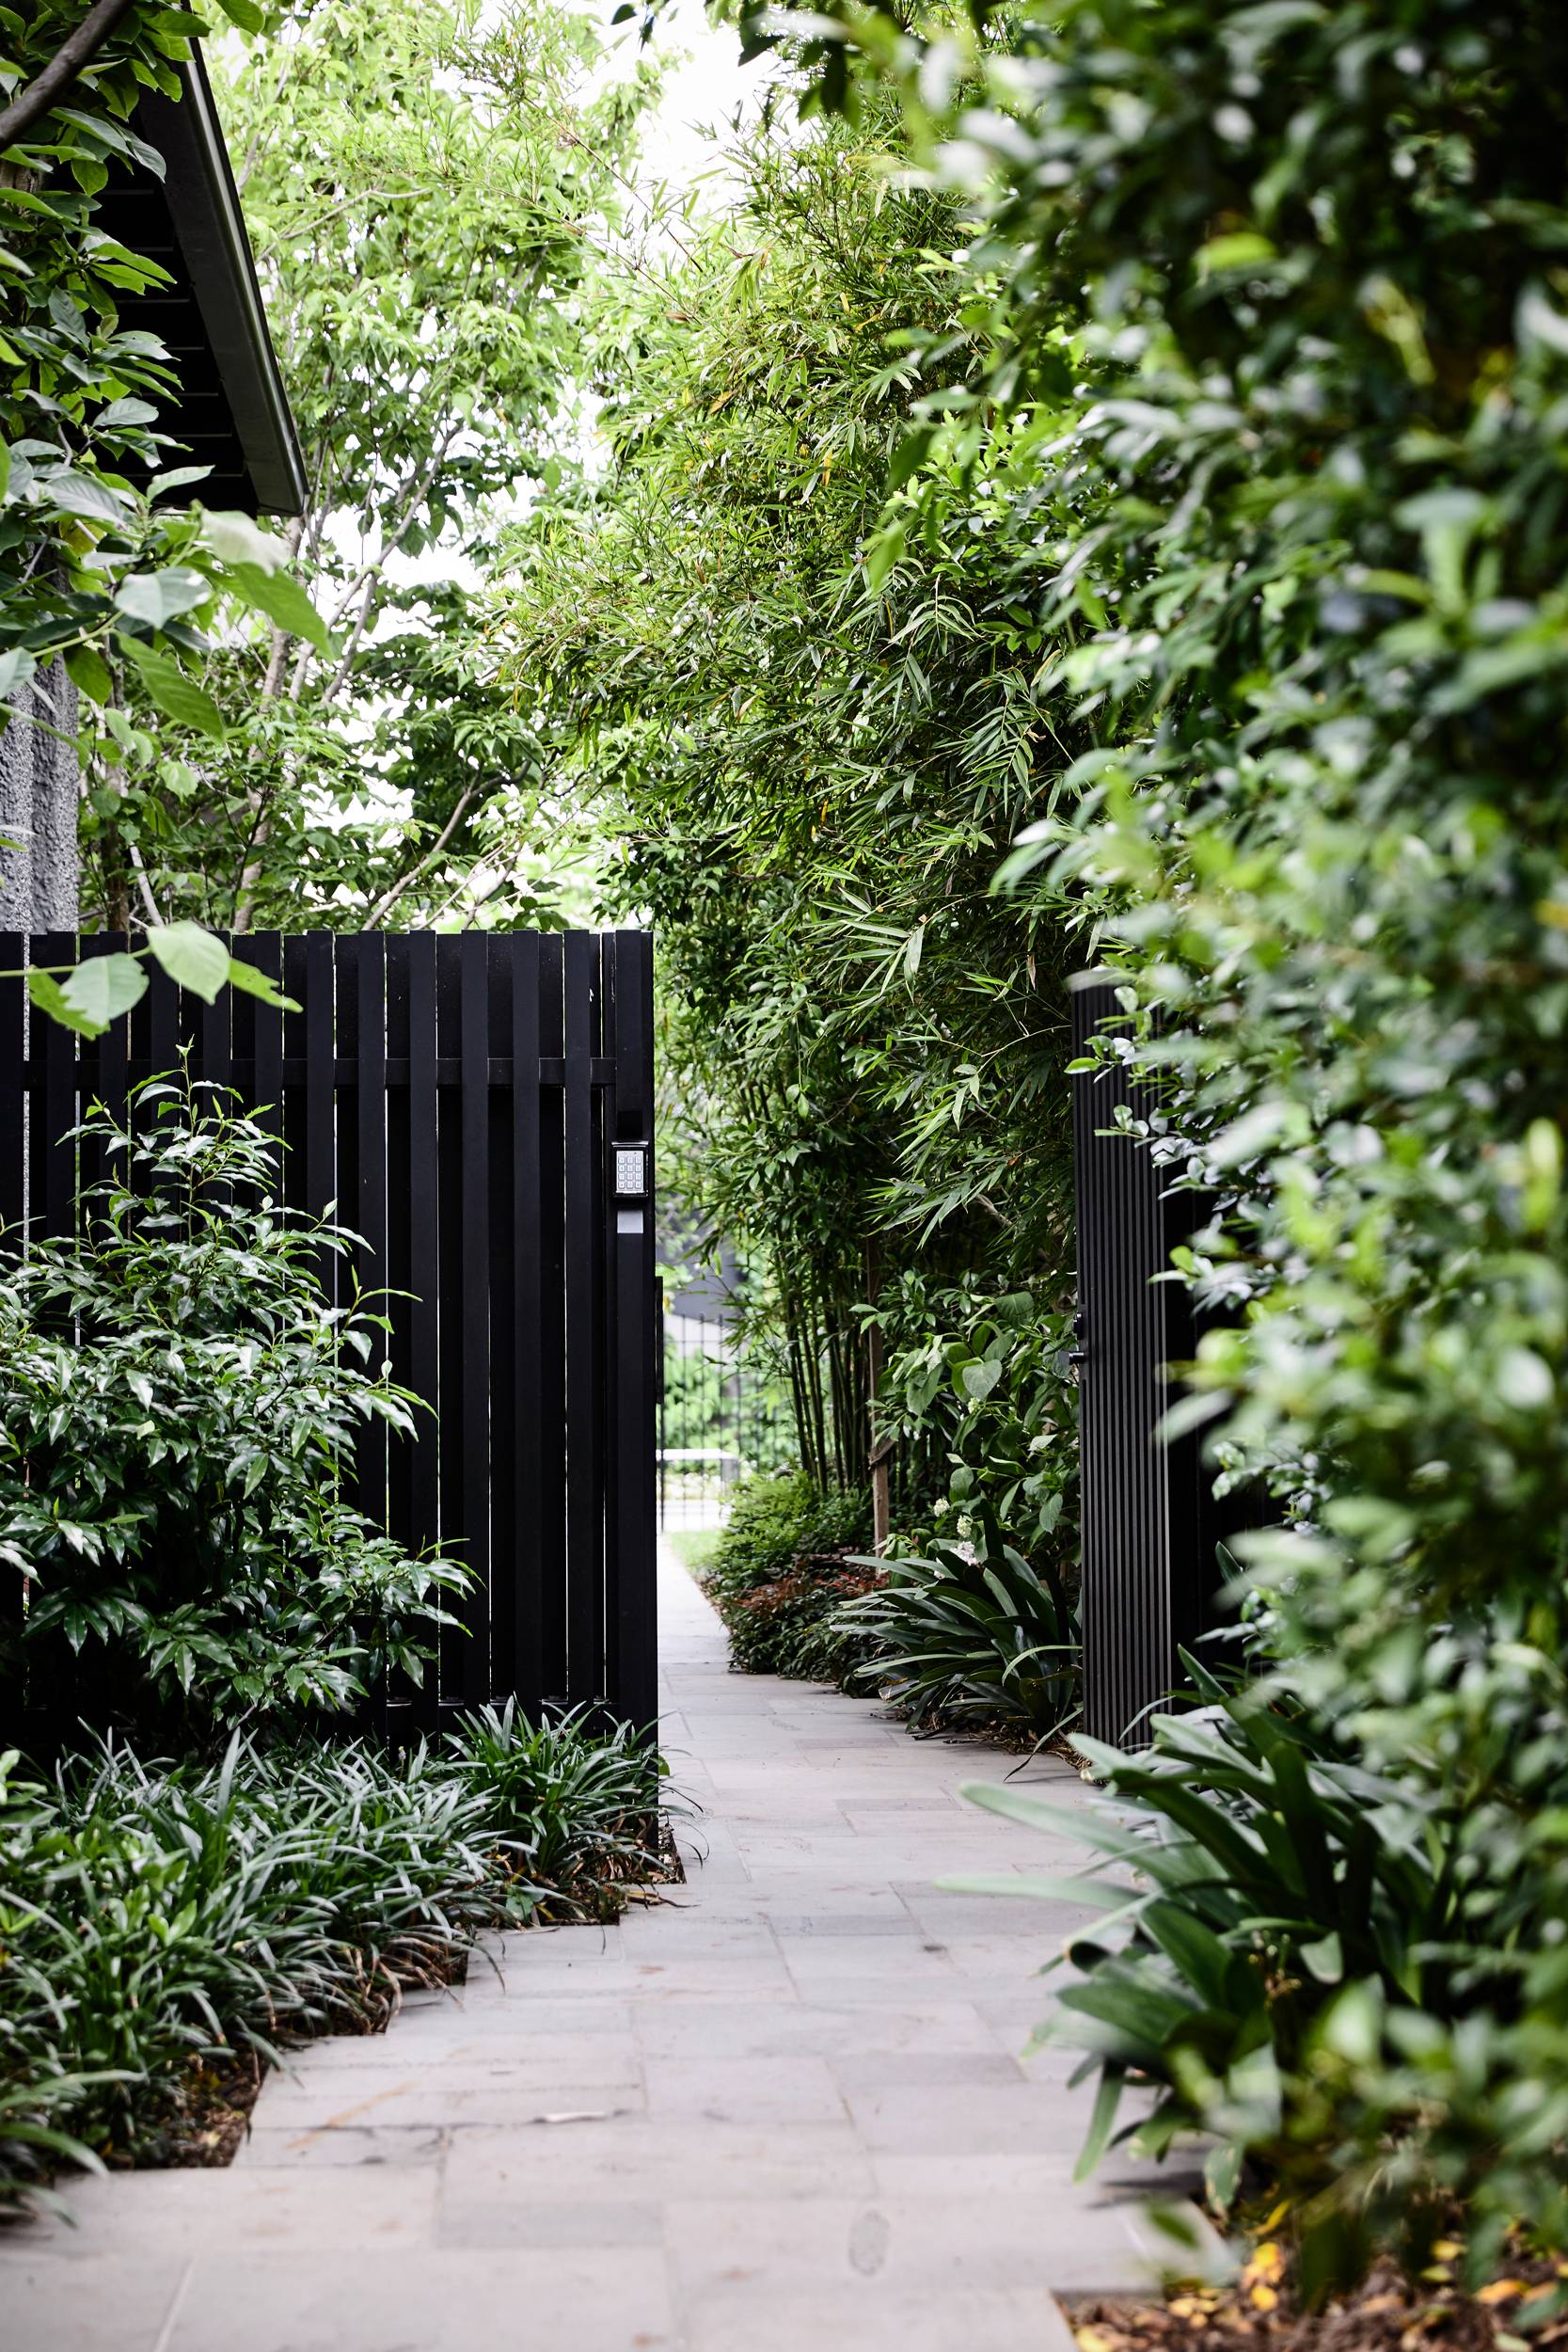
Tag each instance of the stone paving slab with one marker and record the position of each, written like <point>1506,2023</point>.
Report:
<point>436,2299</point>
<point>786,2108</point>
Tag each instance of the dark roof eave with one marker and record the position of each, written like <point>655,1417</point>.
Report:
<point>204,205</point>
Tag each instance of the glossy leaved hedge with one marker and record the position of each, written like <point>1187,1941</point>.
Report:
<point>1278,383</point>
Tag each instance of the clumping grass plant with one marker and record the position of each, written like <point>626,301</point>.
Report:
<point>970,1633</point>
<point>156,1917</point>
<point>1294,1962</point>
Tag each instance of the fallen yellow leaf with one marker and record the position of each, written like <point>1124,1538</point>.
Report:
<point>1499,2291</point>
<point>1264,2299</point>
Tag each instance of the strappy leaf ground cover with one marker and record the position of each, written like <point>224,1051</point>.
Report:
<point>157,1917</point>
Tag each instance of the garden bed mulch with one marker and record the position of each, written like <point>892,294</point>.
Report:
<point>214,2117</point>
<point>1387,2312</point>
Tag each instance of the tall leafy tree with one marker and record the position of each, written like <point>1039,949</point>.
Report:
<point>812,743</point>
<point>426,191</point>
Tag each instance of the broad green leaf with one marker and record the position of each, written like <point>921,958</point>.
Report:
<point>1323,1959</point>
<point>103,987</point>
<point>908,456</point>
<point>86,669</point>
<point>177,478</point>
<point>1102,2120</point>
<point>17,666</point>
<point>50,997</point>
<point>883,553</point>
<point>1352,2027</point>
<point>178,697</point>
<point>239,539</point>
<point>1092,1894</point>
<point>157,598</point>
<point>1254,2082</point>
<point>1222,2173</point>
<point>1243,249</point>
<point>123,412</point>
<point>280,596</point>
<point>1203,1959</point>
<point>83,494</point>
<point>246,978</point>
<point>191,957</point>
<point>103,128</point>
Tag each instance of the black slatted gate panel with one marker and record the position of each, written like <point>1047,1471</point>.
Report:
<point>479,1109</point>
<point>1149,1525</point>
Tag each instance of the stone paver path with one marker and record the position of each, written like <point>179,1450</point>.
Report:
<point>783,2111</point>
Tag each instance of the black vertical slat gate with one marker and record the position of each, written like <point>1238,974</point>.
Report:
<point>1149,1522</point>
<point>480,1110</point>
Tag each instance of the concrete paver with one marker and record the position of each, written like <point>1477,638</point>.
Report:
<point>785,2106</point>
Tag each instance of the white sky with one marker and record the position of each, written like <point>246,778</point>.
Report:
<point>684,139</point>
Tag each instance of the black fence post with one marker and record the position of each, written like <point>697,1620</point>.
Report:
<point>631,1533</point>
<point>1149,1523</point>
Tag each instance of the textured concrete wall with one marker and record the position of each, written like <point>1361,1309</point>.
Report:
<point>39,786</point>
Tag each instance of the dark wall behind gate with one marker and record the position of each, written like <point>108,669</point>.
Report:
<point>461,1099</point>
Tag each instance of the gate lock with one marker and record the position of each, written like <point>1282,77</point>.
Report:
<point>631,1171</point>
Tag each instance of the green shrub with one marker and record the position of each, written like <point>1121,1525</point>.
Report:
<point>792,1625</point>
<point>974,1616</point>
<point>780,1574</point>
<point>765,1529</point>
<point>155,1914</point>
<point>979,1384</point>
<point>835,1522</point>
<point>177,1408</point>
<point>775,1521</point>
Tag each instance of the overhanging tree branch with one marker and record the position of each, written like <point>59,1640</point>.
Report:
<point>77,50</point>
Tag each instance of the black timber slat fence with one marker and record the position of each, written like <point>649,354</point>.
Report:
<point>479,1109</point>
<point>1150,1526</point>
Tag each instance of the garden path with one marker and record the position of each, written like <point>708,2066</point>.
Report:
<point>784,2108</point>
